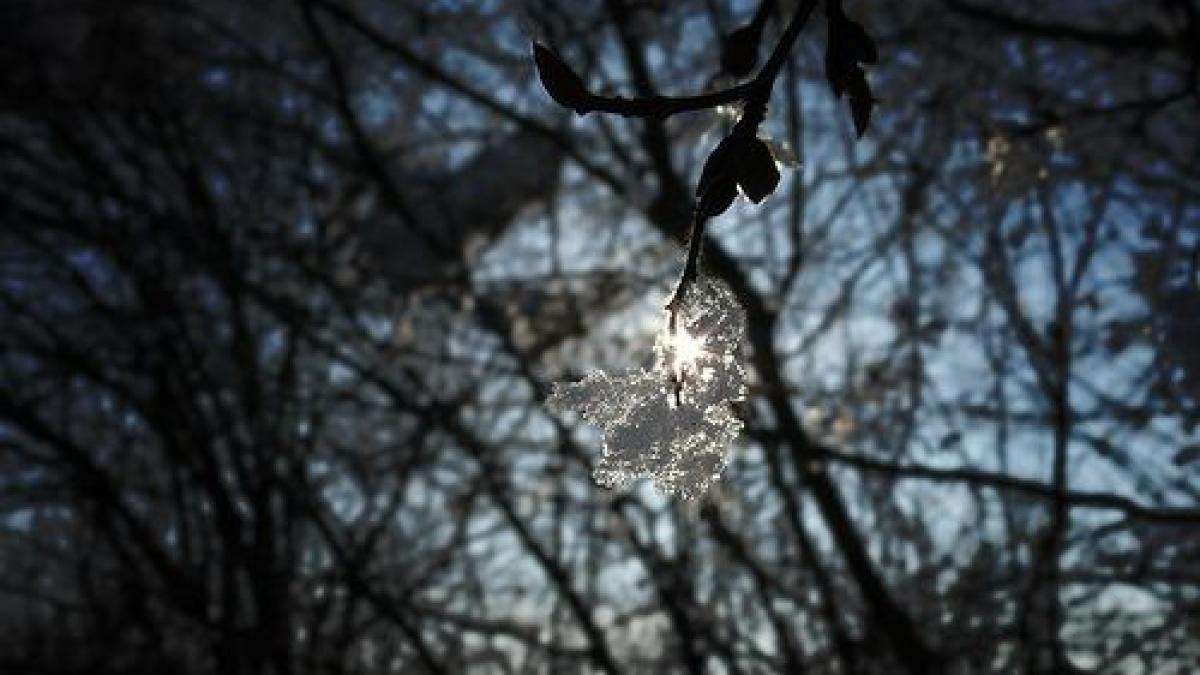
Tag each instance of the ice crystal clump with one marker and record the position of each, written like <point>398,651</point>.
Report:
<point>673,423</point>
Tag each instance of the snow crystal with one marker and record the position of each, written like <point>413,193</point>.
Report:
<point>673,423</point>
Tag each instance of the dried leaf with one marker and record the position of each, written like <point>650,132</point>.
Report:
<point>848,48</point>
<point>758,175</point>
<point>563,85</point>
<point>861,103</point>
<point>740,159</point>
<point>739,50</point>
<point>719,165</point>
<point>717,198</point>
<point>718,178</point>
<point>858,43</point>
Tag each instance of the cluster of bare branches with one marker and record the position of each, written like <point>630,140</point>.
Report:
<point>283,286</point>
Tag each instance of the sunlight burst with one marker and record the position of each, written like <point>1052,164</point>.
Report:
<point>685,350</point>
<point>672,423</point>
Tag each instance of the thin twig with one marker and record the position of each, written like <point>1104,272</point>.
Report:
<point>754,95</point>
<point>753,91</point>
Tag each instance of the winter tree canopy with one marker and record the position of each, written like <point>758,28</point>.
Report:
<point>621,336</point>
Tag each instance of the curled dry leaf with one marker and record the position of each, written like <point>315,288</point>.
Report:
<point>848,49</point>
<point>739,50</point>
<point>740,160</point>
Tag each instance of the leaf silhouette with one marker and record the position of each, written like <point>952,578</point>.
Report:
<point>739,50</point>
<point>848,48</point>
<point>742,160</point>
<point>718,179</point>
<point>857,42</point>
<point>861,103</point>
<point>563,85</point>
<point>758,176</point>
<point>717,198</point>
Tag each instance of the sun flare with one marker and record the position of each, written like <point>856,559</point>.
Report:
<point>686,350</point>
